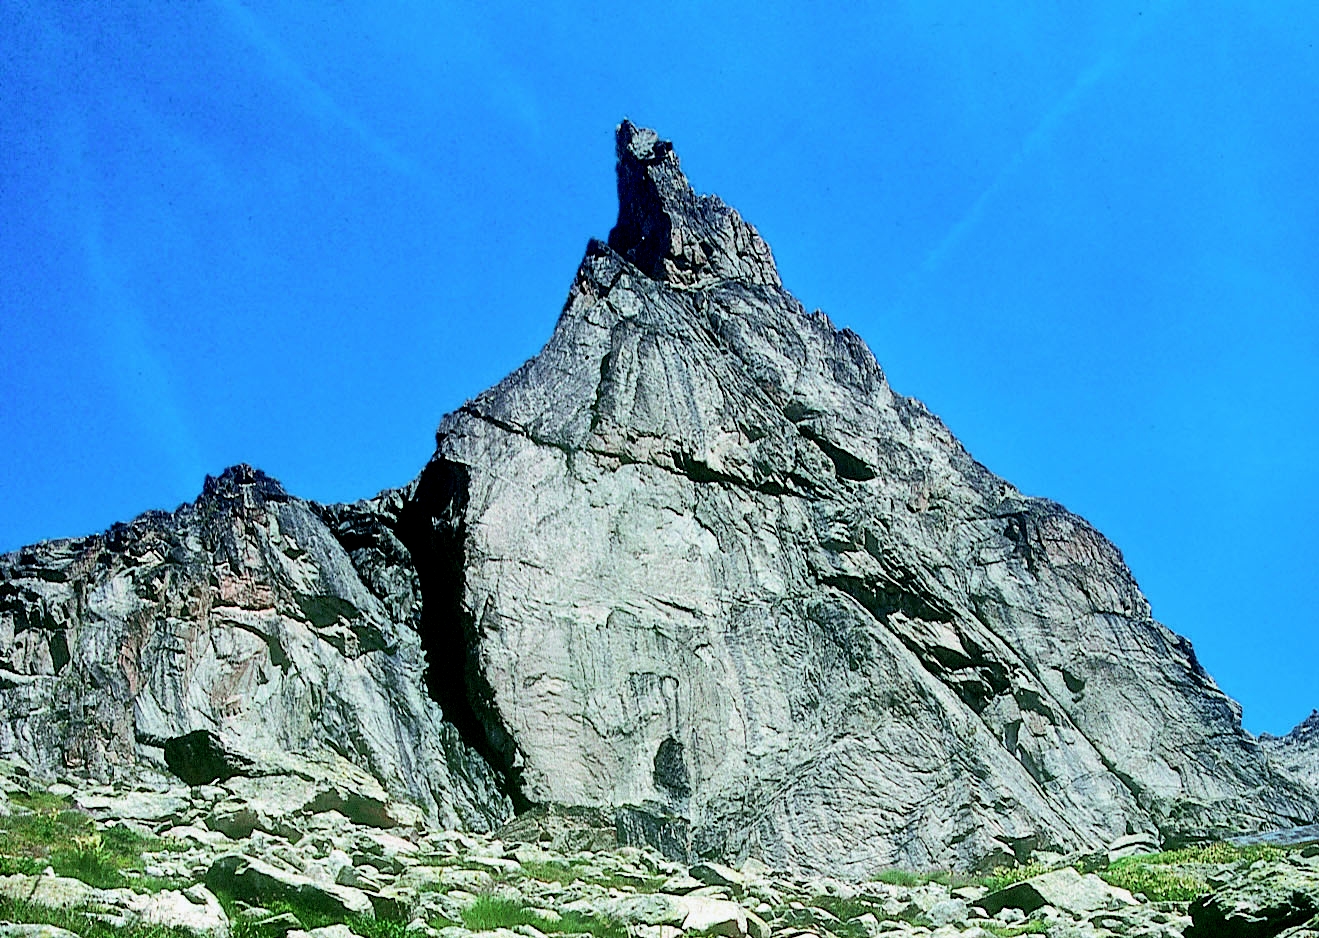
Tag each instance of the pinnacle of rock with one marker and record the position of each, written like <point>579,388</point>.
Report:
<point>669,231</point>
<point>695,567</point>
<point>237,479</point>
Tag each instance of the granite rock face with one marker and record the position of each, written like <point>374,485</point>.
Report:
<point>247,614</point>
<point>713,565</point>
<point>1297,753</point>
<point>695,565</point>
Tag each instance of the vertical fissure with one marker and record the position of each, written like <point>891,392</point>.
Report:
<point>432,525</point>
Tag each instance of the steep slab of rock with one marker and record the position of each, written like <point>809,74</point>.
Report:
<point>712,565</point>
<point>246,614</point>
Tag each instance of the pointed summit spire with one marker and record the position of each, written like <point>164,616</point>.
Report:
<point>669,231</point>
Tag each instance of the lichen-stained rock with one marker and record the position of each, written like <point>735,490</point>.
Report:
<point>246,614</point>
<point>713,565</point>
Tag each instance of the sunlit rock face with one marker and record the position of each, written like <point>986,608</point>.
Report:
<point>695,564</point>
<point>1297,753</point>
<point>284,626</point>
<point>714,566</point>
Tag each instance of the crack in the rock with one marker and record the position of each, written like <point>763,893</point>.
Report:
<point>433,528</point>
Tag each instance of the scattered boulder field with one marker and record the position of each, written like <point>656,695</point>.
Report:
<point>300,855</point>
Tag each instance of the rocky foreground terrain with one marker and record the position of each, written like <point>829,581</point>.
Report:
<point>305,853</point>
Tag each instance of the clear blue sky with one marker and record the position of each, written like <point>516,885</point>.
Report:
<point>296,235</point>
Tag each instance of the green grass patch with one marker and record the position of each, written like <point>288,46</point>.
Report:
<point>1179,875</point>
<point>69,842</point>
<point>847,911</point>
<point>1012,931</point>
<point>41,802</point>
<point>1216,853</point>
<point>899,877</point>
<point>490,912</point>
<point>551,871</point>
<point>9,866</point>
<point>80,922</point>
<point>912,878</point>
<point>1159,883</point>
<point>241,926</point>
<point>38,834</point>
<point>1003,877</point>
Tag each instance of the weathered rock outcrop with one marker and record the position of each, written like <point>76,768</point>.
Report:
<point>249,613</point>
<point>1297,753</point>
<point>695,561</point>
<point>1269,899</point>
<point>714,565</point>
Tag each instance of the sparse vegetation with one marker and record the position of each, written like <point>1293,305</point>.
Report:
<point>41,802</point>
<point>550,871</point>
<point>47,831</point>
<point>83,923</point>
<point>566,873</point>
<point>910,878</point>
<point>847,911</point>
<point>490,912</point>
<point>1216,853</point>
<point>1012,931</point>
<point>1180,875</point>
<point>900,877</point>
<point>1003,877</point>
<point>241,926</point>
<point>53,833</point>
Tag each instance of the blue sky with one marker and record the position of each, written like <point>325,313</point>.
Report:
<point>296,235</point>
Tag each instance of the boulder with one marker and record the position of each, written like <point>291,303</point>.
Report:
<point>716,874</point>
<point>720,917</point>
<point>948,912</point>
<point>194,910</point>
<point>254,880</point>
<point>1064,889</point>
<point>635,910</point>
<point>1131,845</point>
<point>1271,897</point>
<point>202,757</point>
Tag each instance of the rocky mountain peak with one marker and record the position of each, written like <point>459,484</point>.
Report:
<point>244,481</point>
<point>1307,728</point>
<point>1305,732</point>
<point>695,566</point>
<point>709,570</point>
<point>670,232</point>
<point>1297,752</point>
